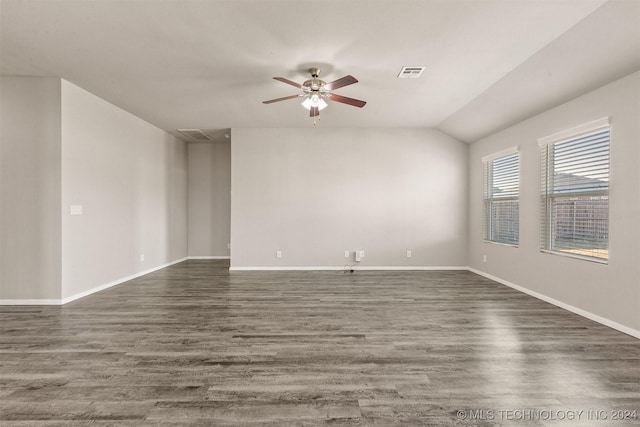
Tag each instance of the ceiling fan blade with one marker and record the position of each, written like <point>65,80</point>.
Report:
<point>347,100</point>
<point>345,81</point>
<point>284,98</point>
<point>314,112</point>
<point>289,82</point>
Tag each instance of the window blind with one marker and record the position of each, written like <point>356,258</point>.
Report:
<point>501,199</point>
<point>575,195</point>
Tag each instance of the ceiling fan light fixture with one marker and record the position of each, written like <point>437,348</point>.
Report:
<point>314,100</point>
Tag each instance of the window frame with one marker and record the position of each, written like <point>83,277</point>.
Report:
<point>548,195</point>
<point>489,198</point>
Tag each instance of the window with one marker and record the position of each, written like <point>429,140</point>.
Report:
<point>575,192</point>
<point>501,193</point>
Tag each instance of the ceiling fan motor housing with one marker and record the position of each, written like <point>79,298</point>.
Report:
<point>314,84</point>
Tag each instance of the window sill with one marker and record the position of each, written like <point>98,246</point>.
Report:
<point>511,245</point>
<point>568,255</point>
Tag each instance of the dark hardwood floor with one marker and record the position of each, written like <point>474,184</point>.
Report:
<point>195,344</point>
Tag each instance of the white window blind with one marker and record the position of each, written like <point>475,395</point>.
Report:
<point>501,198</point>
<point>575,194</point>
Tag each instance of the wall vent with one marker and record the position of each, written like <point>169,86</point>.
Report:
<point>195,134</point>
<point>410,72</point>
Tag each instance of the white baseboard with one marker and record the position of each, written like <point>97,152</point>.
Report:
<point>410,268</point>
<point>118,281</point>
<point>210,257</point>
<point>326,268</point>
<point>88,292</point>
<point>349,267</point>
<point>29,302</point>
<point>604,321</point>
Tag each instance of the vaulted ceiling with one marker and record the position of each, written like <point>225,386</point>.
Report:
<point>209,64</point>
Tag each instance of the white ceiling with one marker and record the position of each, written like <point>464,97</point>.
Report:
<point>209,64</point>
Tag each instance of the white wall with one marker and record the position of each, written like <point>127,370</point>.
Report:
<point>611,292</point>
<point>29,188</point>
<point>209,199</point>
<point>131,179</point>
<point>314,193</point>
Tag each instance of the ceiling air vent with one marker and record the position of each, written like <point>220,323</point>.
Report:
<point>195,134</point>
<point>410,72</point>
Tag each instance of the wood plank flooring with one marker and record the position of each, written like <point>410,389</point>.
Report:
<point>196,345</point>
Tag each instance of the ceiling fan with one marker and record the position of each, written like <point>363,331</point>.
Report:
<point>315,92</point>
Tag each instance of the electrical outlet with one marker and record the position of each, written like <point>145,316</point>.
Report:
<point>228,245</point>
<point>484,258</point>
<point>141,257</point>
<point>361,254</point>
<point>278,254</point>
<point>346,254</point>
<point>408,254</point>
